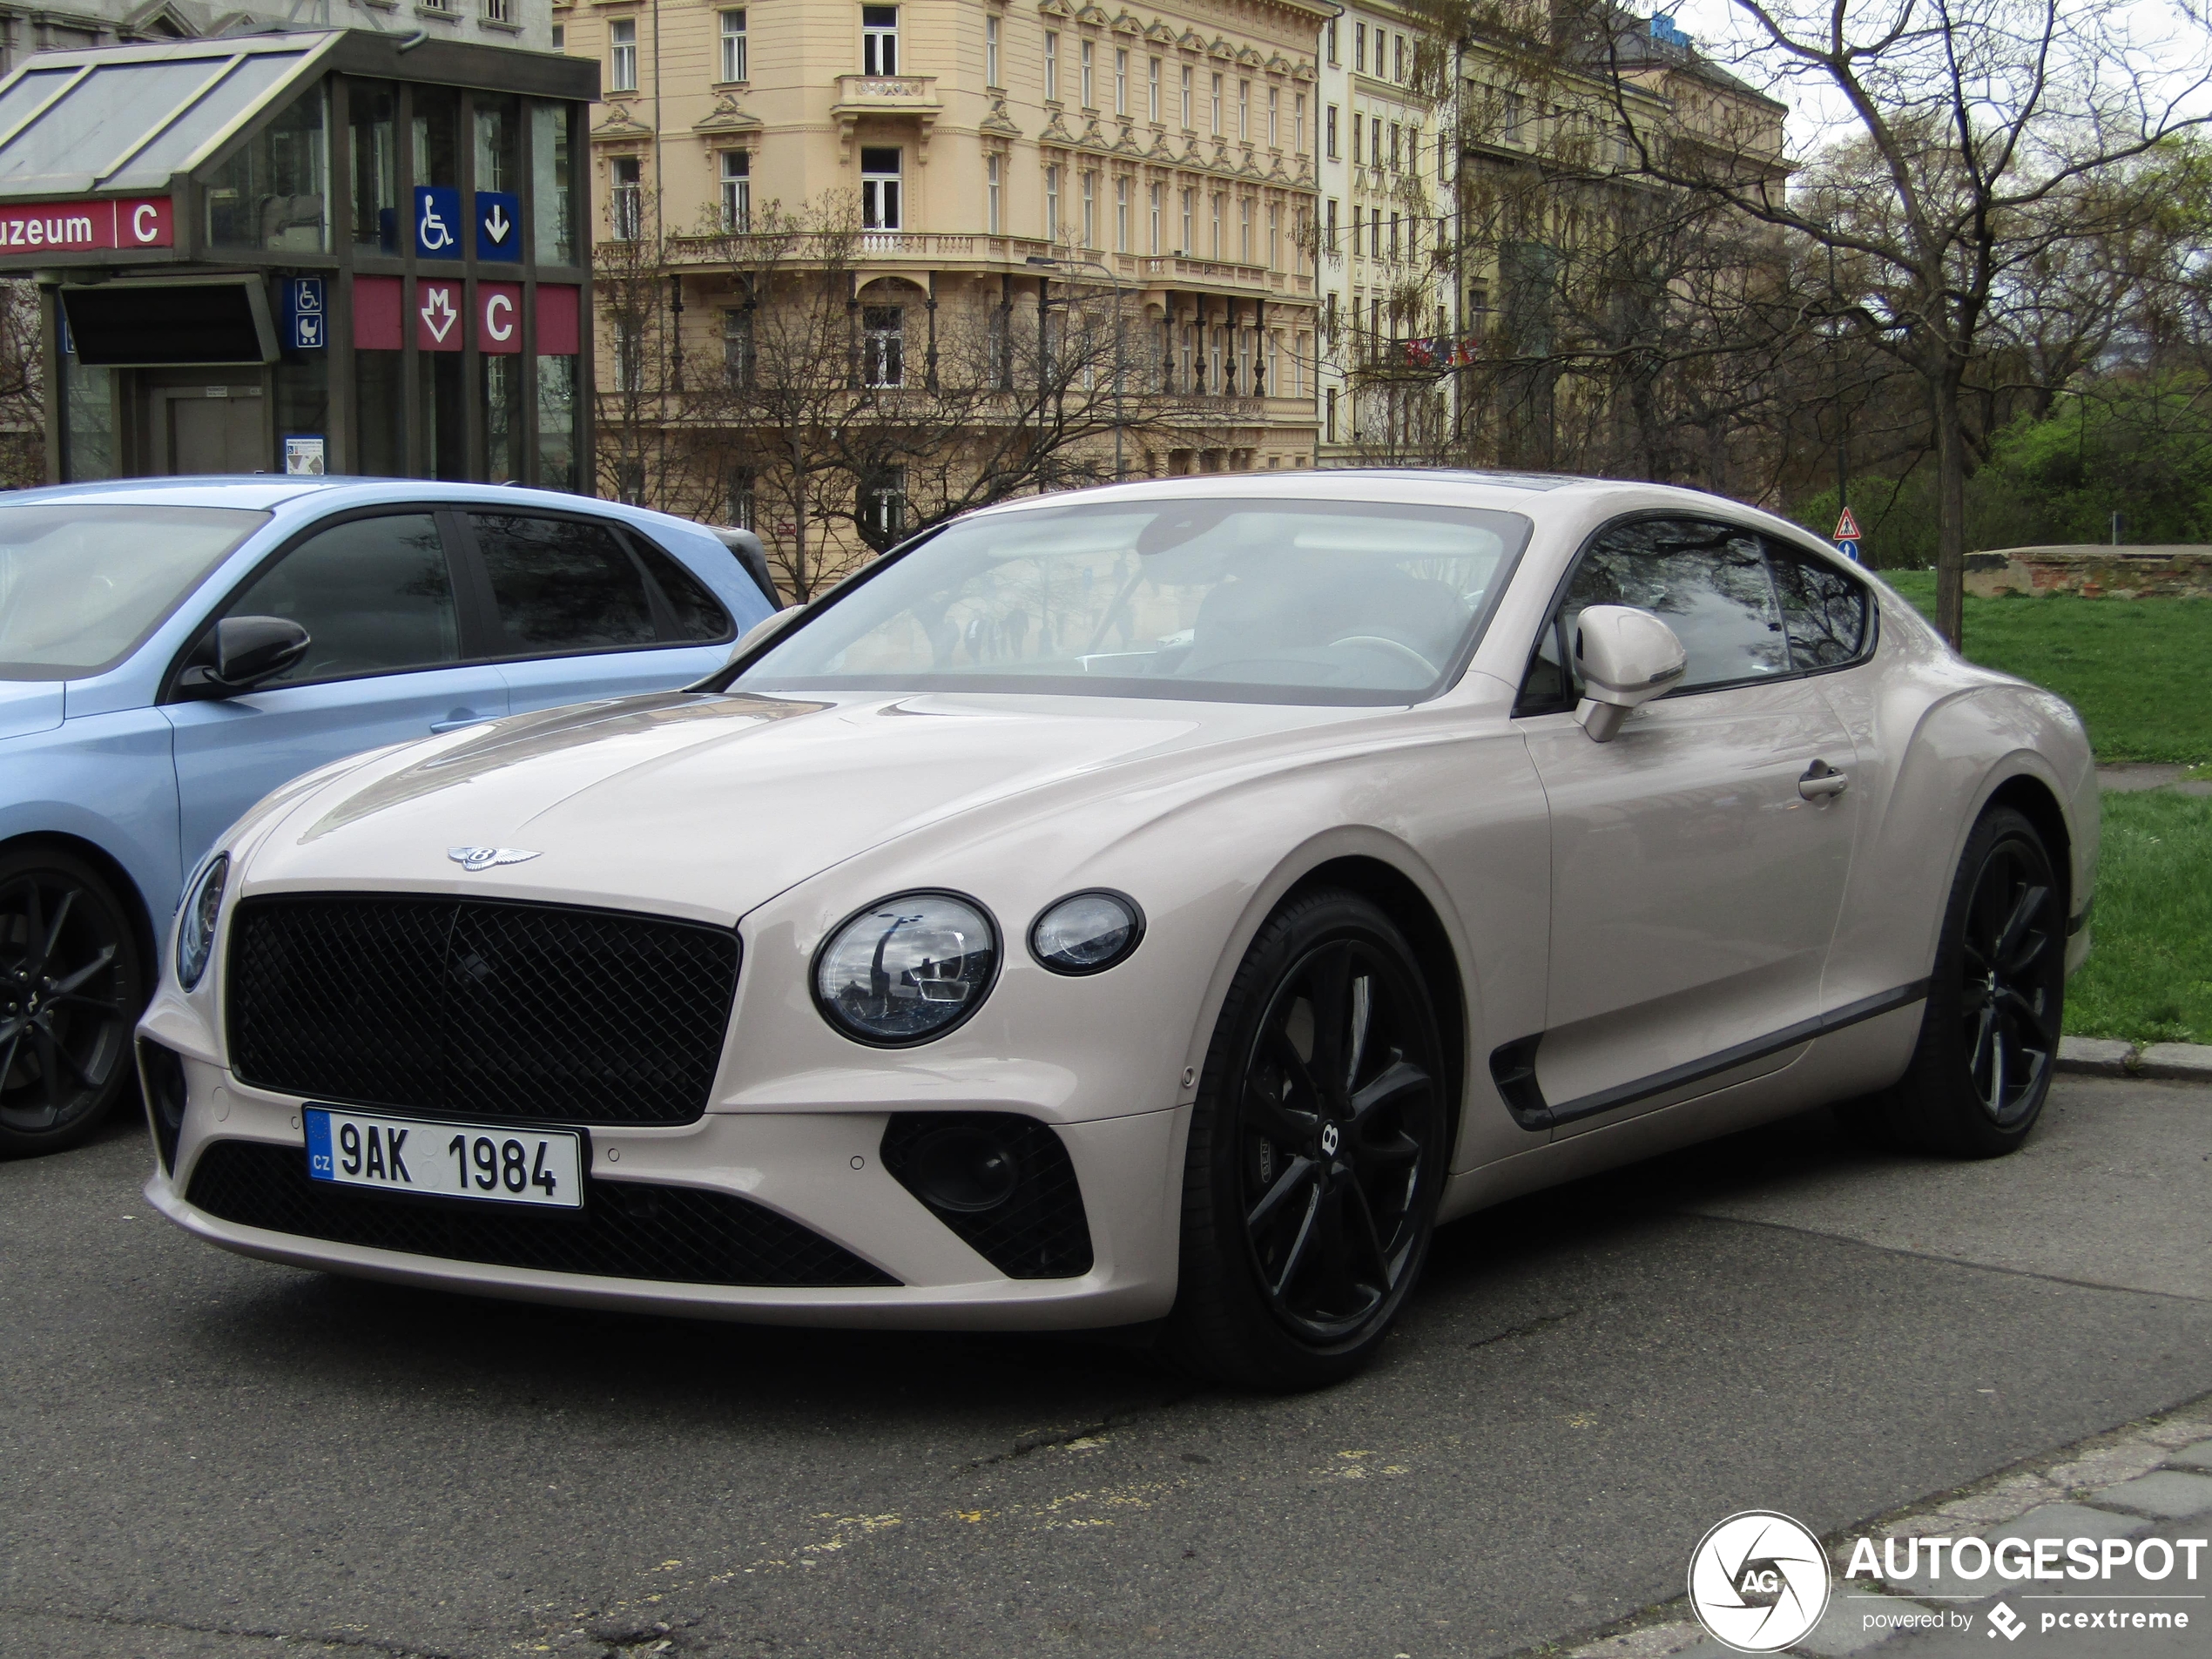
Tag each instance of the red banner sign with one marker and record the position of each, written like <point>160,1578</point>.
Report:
<point>46,227</point>
<point>437,316</point>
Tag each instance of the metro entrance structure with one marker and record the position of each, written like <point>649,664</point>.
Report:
<point>335,251</point>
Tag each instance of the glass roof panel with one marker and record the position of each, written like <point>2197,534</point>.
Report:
<point>27,94</point>
<point>239,94</point>
<point>100,118</point>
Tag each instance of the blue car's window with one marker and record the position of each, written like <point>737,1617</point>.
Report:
<point>373,594</point>
<point>697,616</point>
<point>563,585</point>
<point>82,586</point>
<point>1260,601</point>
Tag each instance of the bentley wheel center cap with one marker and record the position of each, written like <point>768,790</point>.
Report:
<point>1329,1140</point>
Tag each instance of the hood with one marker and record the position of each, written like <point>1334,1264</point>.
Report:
<point>705,806</point>
<point>29,705</point>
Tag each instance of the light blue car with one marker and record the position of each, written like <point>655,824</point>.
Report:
<point>172,649</point>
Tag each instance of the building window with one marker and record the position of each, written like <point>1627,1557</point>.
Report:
<point>1155,217</point>
<point>1359,47</point>
<point>629,355</point>
<point>626,205</point>
<point>878,40</point>
<point>1274,236</point>
<point>1274,118</point>
<point>1216,224</point>
<point>1333,59</point>
<point>990,51</point>
<point>1052,66</point>
<point>1121,213</point>
<point>1395,132</point>
<point>1244,112</point>
<point>994,192</point>
<point>883,340</point>
<point>737,350</point>
<point>883,503</point>
<point>734,46</point>
<point>1513,117</point>
<point>1332,417</point>
<point>1357,220</point>
<point>560,37</point>
<point>1186,98</point>
<point>1398,72</point>
<point>1190,248</point>
<point>1331,227</point>
<point>622,55</point>
<point>736,191</point>
<point>1089,96</point>
<point>1297,124</point>
<point>879,204</point>
<point>1216,107</point>
<point>742,510</point>
<point>1329,129</point>
<point>1393,238</point>
<point>501,11</point>
<point>1412,150</point>
<point>1374,234</point>
<point>1152,85</point>
<point>1244,230</point>
<point>1091,210</point>
<point>1121,83</point>
<point>1355,138</point>
<point>1052,203</point>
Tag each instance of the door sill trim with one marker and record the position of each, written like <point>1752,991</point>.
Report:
<point>1513,1065</point>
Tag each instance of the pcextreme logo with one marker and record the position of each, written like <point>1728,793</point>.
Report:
<point>1758,1582</point>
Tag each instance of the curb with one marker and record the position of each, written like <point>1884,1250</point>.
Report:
<point>2109,1057</point>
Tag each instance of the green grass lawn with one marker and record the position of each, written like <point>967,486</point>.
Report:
<point>2149,976</point>
<point>2138,669</point>
<point>2140,672</point>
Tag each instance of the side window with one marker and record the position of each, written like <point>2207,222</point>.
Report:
<point>563,585</point>
<point>1709,582</point>
<point>1826,614</point>
<point>699,616</point>
<point>374,593</point>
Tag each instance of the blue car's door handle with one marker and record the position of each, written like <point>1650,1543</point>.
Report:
<point>457,719</point>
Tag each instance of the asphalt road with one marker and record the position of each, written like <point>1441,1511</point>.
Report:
<point>204,1456</point>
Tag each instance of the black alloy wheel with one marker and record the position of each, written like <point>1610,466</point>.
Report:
<point>1989,1038</point>
<point>72,985</point>
<point>1317,1151</point>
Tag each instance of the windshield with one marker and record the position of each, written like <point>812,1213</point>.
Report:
<point>80,586</point>
<point>1251,600</point>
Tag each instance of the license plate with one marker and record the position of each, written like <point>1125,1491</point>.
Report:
<point>541,1167</point>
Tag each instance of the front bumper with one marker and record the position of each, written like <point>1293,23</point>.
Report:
<point>822,1170</point>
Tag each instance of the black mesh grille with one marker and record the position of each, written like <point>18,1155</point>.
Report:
<point>1040,1231</point>
<point>626,1230</point>
<point>494,1010</point>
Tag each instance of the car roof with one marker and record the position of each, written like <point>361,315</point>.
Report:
<point>263,493</point>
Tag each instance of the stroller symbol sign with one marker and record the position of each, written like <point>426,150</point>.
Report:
<point>437,220</point>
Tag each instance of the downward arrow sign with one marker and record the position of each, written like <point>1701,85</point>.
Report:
<point>439,315</point>
<point>497,224</point>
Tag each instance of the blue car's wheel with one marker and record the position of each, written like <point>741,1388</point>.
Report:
<point>72,984</point>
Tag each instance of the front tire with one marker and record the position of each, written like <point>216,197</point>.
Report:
<point>1989,1038</point>
<point>72,985</point>
<point>1317,1151</point>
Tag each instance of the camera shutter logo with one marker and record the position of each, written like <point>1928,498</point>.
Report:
<point>1758,1582</point>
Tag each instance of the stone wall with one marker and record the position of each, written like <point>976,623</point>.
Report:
<point>2093,572</point>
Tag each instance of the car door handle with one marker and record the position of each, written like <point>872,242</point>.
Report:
<point>457,719</point>
<point>1822,780</point>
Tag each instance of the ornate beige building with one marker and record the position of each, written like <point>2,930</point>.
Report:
<point>995,153</point>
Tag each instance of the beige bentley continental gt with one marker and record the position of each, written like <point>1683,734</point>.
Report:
<point>1158,906</point>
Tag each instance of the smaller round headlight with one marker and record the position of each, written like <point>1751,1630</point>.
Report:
<point>196,926</point>
<point>906,968</point>
<point>1087,932</point>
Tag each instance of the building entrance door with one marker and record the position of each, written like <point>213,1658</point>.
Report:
<point>210,426</point>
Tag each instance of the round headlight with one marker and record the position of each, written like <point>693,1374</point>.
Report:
<point>1087,932</point>
<point>906,968</point>
<point>196,926</point>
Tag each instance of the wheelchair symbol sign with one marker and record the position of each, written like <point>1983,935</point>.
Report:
<point>437,222</point>
<point>303,314</point>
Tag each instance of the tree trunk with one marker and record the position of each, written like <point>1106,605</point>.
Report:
<point>1950,506</point>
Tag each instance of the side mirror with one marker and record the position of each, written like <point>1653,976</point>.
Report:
<point>243,652</point>
<point>761,630</point>
<point>1625,657</point>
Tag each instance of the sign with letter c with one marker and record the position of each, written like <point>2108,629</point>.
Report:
<point>499,318</point>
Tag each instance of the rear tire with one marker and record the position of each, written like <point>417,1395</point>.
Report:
<point>1316,1152</point>
<point>72,985</point>
<point>1989,1037</point>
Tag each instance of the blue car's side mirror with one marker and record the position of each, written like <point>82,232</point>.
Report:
<point>244,652</point>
